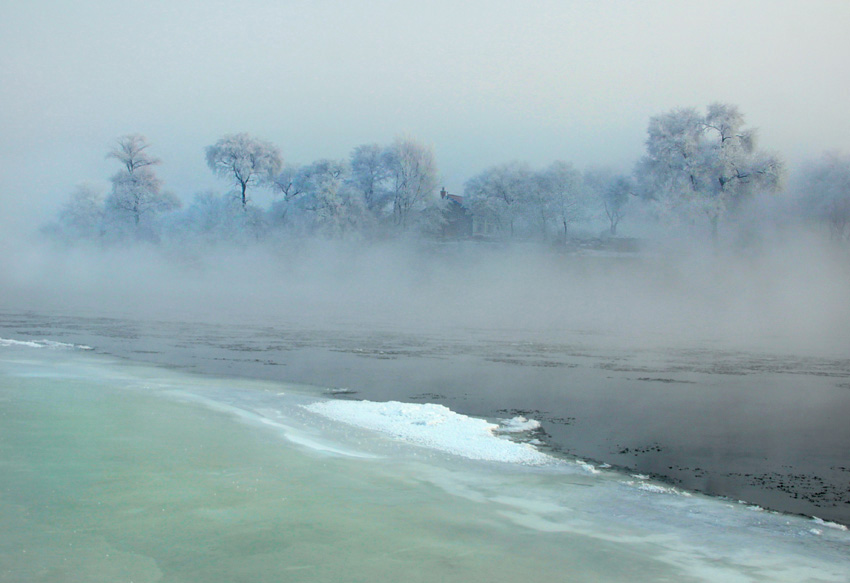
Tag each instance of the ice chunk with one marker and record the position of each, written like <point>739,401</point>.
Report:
<point>433,426</point>
<point>656,488</point>
<point>829,524</point>
<point>518,425</point>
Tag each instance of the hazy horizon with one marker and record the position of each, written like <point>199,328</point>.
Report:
<point>484,82</point>
<point>673,342</point>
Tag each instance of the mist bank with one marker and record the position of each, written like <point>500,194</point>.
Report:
<point>787,293</point>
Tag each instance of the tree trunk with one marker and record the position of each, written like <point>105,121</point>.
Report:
<point>244,196</point>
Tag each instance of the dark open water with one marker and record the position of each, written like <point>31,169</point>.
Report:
<point>771,429</point>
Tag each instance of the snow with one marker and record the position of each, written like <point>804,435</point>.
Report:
<point>518,425</point>
<point>587,467</point>
<point>14,343</point>
<point>829,524</point>
<point>9,343</point>
<point>617,521</point>
<point>437,427</point>
<point>656,488</point>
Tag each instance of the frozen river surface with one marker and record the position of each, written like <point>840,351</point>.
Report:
<point>766,427</point>
<point>115,471</point>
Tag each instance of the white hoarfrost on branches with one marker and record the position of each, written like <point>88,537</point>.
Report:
<point>705,164</point>
<point>697,165</point>
<point>245,160</point>
<point>562,196</point>
<point>823,190</point>
<point>81,218</point>
<point>512,199</point>
<point>136,190</point>
<point>497,195</point>
<point>138,193</point>
<point>412,171</point>
<point>615,200</point>
<point>131,151</point>
<point>325,193</point>
<point>611,193</point>
<point>369,175</point>
<point>288,181</point>
<point>84,212</point>
<point>392,185</point>
<point>212,218</point>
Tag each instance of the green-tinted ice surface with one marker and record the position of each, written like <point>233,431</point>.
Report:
<point>99,482</point>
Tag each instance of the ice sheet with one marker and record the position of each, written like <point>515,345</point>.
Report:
<point>434,426</point>
<point>546,515</point>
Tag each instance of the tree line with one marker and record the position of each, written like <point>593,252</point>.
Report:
<point>697,167</point>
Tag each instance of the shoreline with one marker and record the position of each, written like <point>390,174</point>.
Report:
<point>476,378</point>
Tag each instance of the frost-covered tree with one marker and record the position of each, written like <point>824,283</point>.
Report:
<point>136,190</point>
<point>615,199</point>
<point>319,197</point>
<point>412,171</point>
<point>138,194</point>
<point>705,163</point>
<point>823,190</point>
<point>611,192</point>
<point>561,196</point>
<point>245,160</point>
<point>289,181</point>
<point>369,175</point>
<point>497,196</point>
<point>212,218</point>
<point>326,194</point>
<point>131,151</point>
<point>81,217</point>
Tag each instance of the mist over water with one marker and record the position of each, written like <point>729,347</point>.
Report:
<point>786,294</point>
<point>723,369</point>
<point>438,215</point>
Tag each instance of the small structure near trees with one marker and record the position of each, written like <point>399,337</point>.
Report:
<point>457,220</point>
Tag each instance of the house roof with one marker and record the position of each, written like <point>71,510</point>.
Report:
<point>456,199</point>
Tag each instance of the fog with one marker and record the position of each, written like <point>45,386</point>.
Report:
<point>622,225</point>
<point>787,294</point>
<point>483,81</point>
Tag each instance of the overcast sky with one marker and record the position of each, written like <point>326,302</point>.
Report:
<point>483,81</point>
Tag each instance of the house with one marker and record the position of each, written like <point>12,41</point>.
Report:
<point>457,220</point>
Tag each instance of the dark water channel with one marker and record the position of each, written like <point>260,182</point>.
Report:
<point>770,429</point>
